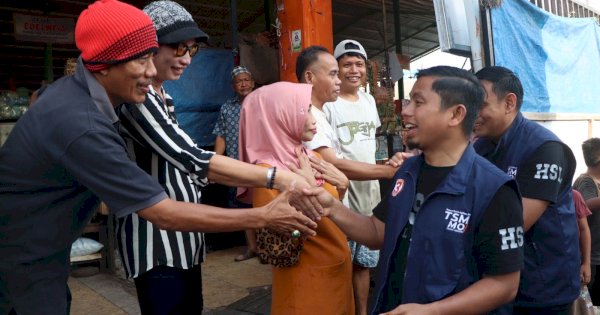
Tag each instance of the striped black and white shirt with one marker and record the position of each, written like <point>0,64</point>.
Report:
<point>159,146</point>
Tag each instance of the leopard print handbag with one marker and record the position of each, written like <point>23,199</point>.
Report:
<point>277,249</point>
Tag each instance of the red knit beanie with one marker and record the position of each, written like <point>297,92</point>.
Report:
<point>109,32</point>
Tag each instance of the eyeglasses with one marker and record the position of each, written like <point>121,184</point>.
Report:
<point>181,49</point>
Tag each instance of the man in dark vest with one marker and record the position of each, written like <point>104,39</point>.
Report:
<point>543,167</point>
<point>451,227</point>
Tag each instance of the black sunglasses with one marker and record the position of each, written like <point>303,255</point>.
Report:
<point>181,49</point>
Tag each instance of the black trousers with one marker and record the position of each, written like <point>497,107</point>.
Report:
<point>69,299</point>
<point>564,309</point>
<point>37,287</point>
<point>594,285</point>
<point>170,291</point>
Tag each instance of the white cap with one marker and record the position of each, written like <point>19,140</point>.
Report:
<point>342,48</point>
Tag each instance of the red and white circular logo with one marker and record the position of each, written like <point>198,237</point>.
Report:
<point>398,187</point>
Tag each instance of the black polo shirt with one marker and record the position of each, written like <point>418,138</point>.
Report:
<point>62,157</point>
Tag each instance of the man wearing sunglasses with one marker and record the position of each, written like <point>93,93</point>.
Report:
<point>165,264</point>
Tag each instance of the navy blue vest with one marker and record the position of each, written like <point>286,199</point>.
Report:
<point>552,261</point>
<point>439,263</point>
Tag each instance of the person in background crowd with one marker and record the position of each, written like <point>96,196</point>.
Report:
<point>588,184</point>
<point>354,120</point>
<point>585,239</point>
<point>543,166</point>
<point>275,119</point>
<point>451,227</point>
<point>70,66</point>
<point>65,155</point>
<point>227,131</point>
<point>36,94</point>
<point>165,263</point>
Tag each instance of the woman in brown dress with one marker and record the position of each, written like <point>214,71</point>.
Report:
<point>274,121</point>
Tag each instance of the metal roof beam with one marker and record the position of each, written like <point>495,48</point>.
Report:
<point>406,38</point>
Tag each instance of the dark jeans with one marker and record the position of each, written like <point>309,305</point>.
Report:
<point>38,287</point>
<point>594,286</point>
<point>564,309</point>
<point>170,291</point>
<point>69,299</point>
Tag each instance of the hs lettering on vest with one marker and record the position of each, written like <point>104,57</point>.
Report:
<point>548,171</point>
<point>512,237</point>
<point>458,221</point>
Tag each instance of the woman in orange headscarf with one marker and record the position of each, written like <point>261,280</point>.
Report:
<point>274,121</point>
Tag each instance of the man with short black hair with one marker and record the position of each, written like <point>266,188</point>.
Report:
<point>588,184</point>
<point>543,166</point>
<point>451,228</point>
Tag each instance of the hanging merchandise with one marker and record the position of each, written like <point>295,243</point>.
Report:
<point>382,89</point>
<point>12,105</point>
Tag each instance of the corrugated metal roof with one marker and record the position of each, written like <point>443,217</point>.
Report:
<point>361,20</point>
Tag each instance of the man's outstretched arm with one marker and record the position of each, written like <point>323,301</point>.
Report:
<point>481,297</point>
<point>356,170</point>
<point>278,215</point>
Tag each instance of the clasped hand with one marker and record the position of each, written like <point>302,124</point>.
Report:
<point>306,199</point>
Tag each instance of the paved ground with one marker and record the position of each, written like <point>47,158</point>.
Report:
<point>230,288</point>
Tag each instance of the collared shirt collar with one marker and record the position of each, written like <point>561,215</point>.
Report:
<point>166,103</point>
<point>236,100</point>
<point>513,129</point>
<point>508,135</point>
<point>491,150</point>
<point>97,91</point>
<point>153,91</point>
<point>458,178</point>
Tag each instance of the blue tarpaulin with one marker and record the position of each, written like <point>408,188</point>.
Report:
<point>556,58</point>
<point>199,93</point>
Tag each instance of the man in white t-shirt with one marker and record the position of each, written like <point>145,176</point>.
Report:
<point>315,65</point>
<point>354,119</point>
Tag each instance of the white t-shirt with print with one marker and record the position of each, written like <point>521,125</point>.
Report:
<point>325,136</point>
<point>355,124</point>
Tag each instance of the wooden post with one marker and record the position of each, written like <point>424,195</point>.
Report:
<point>303,23</point>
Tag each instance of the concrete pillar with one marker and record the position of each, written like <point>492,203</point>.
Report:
<point>303,23</point>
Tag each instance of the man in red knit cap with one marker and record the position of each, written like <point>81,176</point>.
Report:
<point>65,155</point>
